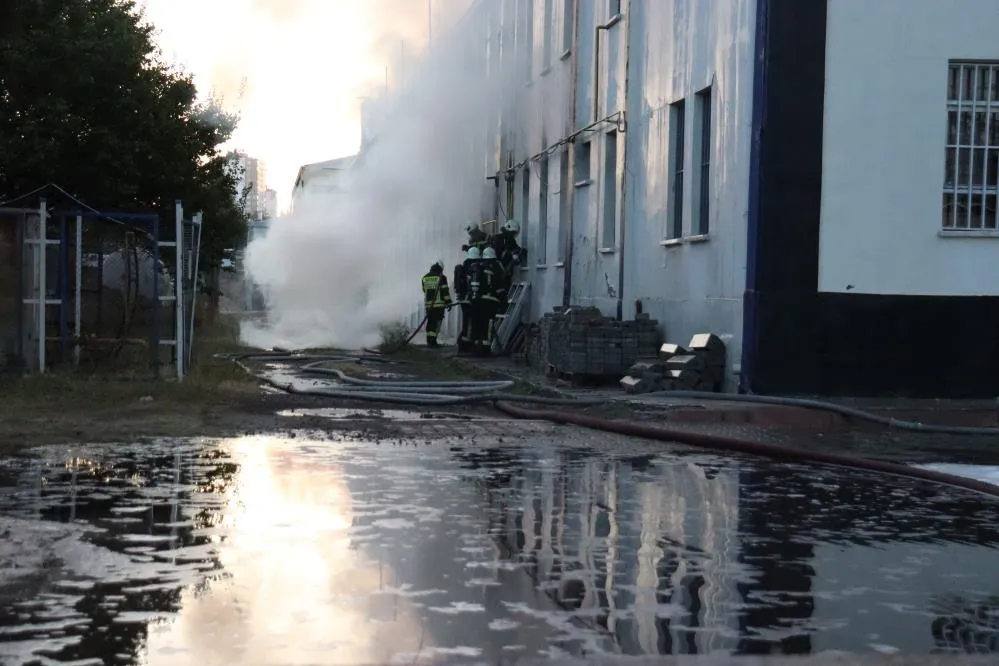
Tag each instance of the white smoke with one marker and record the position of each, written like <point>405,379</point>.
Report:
<point>345,263</point>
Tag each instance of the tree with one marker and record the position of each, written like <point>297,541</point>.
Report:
<point>87,103</point>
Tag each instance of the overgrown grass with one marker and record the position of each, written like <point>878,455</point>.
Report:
<point>210,380</point>
<point>395,337</point>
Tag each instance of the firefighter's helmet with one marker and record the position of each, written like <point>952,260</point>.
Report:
<point>511,226</point>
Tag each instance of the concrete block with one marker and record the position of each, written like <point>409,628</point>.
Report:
<point>636,385</point>
<point>683,380</point>
<point>669,350</point>
<point>686,362</point>
<point>710,347</point>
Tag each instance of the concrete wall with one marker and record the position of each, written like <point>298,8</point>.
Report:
<point>886,121</point>
<point>691,281</point>
<point>577,81</point>
<point>653,54</point>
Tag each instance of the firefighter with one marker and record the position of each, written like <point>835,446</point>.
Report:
<point>494,285</point>
<point>436,299</point>
<point>469,275</point>
<point>477,238</point>
<point>507,248</point>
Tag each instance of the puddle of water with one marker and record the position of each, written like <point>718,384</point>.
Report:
<point>297,551</point>
<point>346,414</point>
<point>986,473</point>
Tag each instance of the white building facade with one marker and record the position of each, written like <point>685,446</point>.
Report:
<point>715,163</point>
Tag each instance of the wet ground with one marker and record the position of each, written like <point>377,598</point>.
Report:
<point>476,540</point>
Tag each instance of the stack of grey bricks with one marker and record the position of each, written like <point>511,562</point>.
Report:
<point>581,341</point>
<point>698,367</point>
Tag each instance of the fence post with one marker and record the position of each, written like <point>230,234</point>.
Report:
<point>196,252</point>
<point>178,286</point>
<point>42,287</point>
<point>78,308</point>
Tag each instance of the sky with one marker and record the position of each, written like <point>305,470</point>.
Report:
<point>295,70</point>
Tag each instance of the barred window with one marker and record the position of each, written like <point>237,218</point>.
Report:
<point>972,168</point>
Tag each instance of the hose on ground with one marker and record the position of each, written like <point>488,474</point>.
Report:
<point>455,393</point>
<point>315,361</point>
<point>748,447</point>
<point>842,410</point>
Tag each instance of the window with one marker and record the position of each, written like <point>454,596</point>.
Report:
<point>582,170</point>
<point>546,54</point>
<point>614,7</point>
<point>564,222</point>
<point>527,38</point>
<point>972,156</point>
<point>568,24</point>
<point>704,175</point>
<point>609,231</point>
<point>542,245</point>
<point>677,112</point>
<point>525,203</point>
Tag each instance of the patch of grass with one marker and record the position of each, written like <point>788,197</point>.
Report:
<point>210,380</point>
<point>395,337</point>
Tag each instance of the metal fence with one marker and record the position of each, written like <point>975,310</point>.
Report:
<point>97,290</point>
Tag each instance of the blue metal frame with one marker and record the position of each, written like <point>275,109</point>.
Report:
<point>750,324</point>
<point>139,220</point>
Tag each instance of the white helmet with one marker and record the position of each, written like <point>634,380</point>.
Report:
<point>473,253</point>
<point>511,226</point>
<point>469,228</point>
<point>489,253</point>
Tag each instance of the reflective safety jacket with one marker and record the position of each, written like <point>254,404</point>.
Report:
<point>436,292</point>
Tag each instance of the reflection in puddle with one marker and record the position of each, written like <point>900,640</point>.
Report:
<point>346,414</point>
<point>290,551</point>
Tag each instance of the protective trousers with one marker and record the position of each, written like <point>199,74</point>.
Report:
<point>435,318</point>
<point>465,336</point>
<point>488,309</point>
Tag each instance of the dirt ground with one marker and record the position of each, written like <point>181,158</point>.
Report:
<point>218,398</point>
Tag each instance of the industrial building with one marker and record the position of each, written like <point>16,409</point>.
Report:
<point>813,181</point>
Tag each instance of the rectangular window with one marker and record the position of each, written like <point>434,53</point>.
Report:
<point>527,41</point>
<point>678,131</point>
<point>704,174</point>
<point>568,24</point>
<point>972,155</point>
<point>582,163</point>
<point>525,204</point>
<point>549,35</point>
<point>614,7</point>
<point>542,245</point>
<point>609,231</point>
<point>564,187</point>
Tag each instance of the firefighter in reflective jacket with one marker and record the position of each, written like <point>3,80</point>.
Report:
<point>436,299</point>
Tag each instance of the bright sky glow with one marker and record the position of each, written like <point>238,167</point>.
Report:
<point>294,69</point>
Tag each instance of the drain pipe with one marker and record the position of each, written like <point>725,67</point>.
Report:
<point>570,154</point>
<point>622,129</point>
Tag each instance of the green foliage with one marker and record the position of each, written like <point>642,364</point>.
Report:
<point>87,103</point>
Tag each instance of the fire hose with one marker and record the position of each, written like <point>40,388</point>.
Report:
<point>441,393</point>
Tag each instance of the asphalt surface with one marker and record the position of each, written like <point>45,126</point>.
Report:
<point>477,541</point>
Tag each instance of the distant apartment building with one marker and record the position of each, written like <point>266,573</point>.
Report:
<point>268,204</point>
<point>252,179</point>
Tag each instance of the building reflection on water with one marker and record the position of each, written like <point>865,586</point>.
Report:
<point>267,548</point>
<point>694,556</point>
